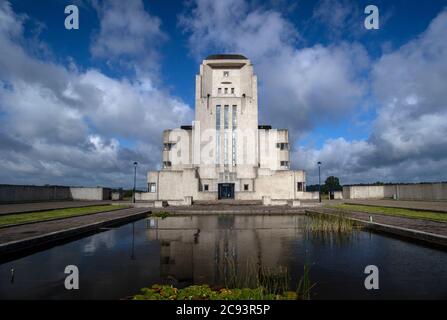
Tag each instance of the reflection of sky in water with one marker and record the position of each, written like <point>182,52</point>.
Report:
<point>105,240</point>
<point>184,250</point>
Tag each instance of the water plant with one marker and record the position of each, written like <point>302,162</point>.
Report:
<point>303,290</point>
<point>330,223</point>
<point>161,214</point>
<point>253,282</point>
<point>204,292</point>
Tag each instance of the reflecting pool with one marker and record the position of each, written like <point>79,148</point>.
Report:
<point>115,263</point>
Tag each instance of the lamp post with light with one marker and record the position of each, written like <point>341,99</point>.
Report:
<point>319,181</point>
<point>135,164</point>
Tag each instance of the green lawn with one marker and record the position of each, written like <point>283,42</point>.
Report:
<point>400,212</point>
<point>53,214</point>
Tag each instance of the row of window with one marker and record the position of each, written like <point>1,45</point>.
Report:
<point>285,164</point>
<point>233,134</point>
<point>152,187</point>
<point>225,90</point>
<point>207,188</point>
<point>282,146</point>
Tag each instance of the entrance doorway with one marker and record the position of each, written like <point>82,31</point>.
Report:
<point>226,190</point>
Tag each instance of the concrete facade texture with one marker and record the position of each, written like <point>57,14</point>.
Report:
<point>226,152</point>
<point>423,191</point>
<point>23,193</point>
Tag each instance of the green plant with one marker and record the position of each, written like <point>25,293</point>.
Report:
<point>391,211</point>
<point>19,218</point>
<point>204,292</point>
<point>161,214</point>
<point>305,286</point>
<point>327,223</point>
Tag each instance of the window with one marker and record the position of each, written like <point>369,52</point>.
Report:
<point>226,120</point>
<point>152,187</point>
<point>218,134</point>
<point>282,146</point>
<point>234,116</point>
<point>284,163</point>
<point>219,90</point>
<point>167,146</point>
<point>226,90</point>
<point>226,126</point>
<point>206,187</point>
<point>233,134</point>
<point>167,164</point>
<point>226,74</point>
<point>232,90</point>
<point>245,187</point>
<point>299,186</point>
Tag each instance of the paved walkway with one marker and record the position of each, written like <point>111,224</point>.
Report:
<point>35,233</point>
<point>226,208</point>
<point>434,227</point>
<point>42,206</point>
<point>422,205</point>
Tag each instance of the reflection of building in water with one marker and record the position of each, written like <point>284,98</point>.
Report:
<point>199,249</point>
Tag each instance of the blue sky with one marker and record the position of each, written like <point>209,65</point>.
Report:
<point>361,101</point>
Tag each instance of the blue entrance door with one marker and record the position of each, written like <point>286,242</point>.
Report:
<point>226,190</point>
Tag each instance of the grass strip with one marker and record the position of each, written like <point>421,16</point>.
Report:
<point>21,218</point>
<point>397,212</point>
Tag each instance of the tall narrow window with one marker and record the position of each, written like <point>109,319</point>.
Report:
<point>234,127</point>
<point>232,90</point>
<point>226,73</point>
<point>226,90</point>
<point>218,134</point>
<point>219,90</point>
<point>226,111</point>
<point>226,126</point>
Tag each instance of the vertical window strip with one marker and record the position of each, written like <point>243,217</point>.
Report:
<point>226,126</point>
<point>218,134</point>
<point>234,126</point>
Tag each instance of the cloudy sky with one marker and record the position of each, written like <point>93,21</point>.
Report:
<point>77,107</point>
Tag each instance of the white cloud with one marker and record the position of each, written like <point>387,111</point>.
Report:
<point>409,138</point>
<point>59,125</point>
<point>295,85</point>
<point>299,86</point>
<point>126,32</point>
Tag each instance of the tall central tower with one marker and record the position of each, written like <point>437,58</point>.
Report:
<point>226,110</point>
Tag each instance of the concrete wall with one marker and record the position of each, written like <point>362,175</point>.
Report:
<point>85,193</point>
<point>338,195</point>
<point>22,193</point>
<point>368,192</point>
<point>432,191</point>
<point>429,192</point>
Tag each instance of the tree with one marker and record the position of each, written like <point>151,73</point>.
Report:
<point>332,184</point>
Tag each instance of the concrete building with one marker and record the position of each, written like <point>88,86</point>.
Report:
<point>226,153</point>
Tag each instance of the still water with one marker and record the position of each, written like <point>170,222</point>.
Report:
<point>116,263</point>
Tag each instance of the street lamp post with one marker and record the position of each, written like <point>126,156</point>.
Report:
<point>135,164</point>
<point>319,181</point>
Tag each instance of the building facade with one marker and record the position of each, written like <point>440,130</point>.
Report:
<point>226,153</point>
